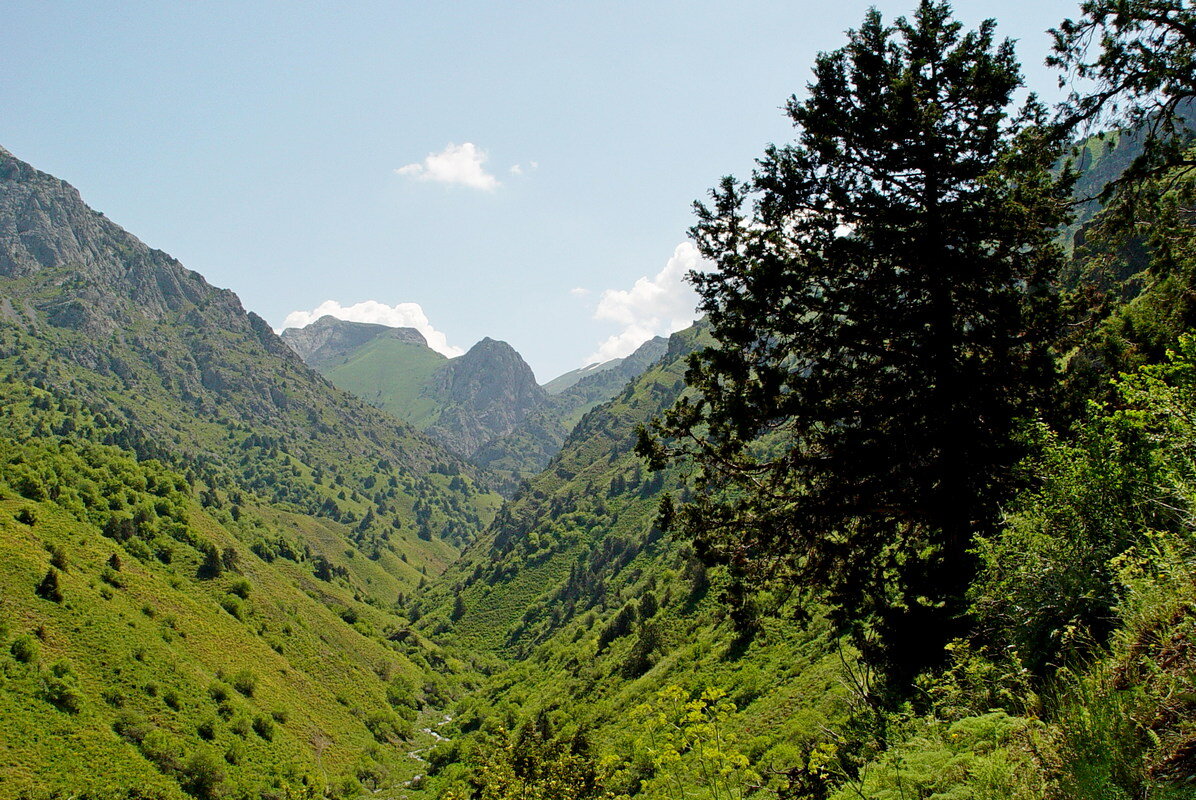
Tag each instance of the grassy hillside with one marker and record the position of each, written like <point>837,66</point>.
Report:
<point>183,374</point>
<point>595,623</point>
<point>393,376</point>
<point>148,643</point>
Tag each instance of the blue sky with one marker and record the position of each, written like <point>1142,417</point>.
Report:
<point>282,148</point>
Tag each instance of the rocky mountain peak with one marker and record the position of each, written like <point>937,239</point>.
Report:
<point>487,391</point>
<point>329,339</point>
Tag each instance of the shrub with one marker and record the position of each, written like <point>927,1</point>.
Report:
<point>245,682</point>
<point>58,557</point>
<point>233,606</point>
<point>131,726</point>
<point>202,776</point>
<point>61,688</point>
<point>206,729</point>
<point>240,587</point>
<point>26,516</point>
<point>387,726</point>
<point>263,726</point>
<point>241,726</point>
<point>400,693</point>
<point>49,589</point>
<point>113,578</point>
<point>162,750</point>
<point>218,691</point>
<point>24,649</point>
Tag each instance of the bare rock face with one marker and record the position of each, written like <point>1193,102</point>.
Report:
<point>329,340</point>
<point>486,393</point>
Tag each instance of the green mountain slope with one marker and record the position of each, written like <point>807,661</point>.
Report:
<point>631,366</point>
<point>392,375</point>
<point>204,545</point>
<point>193,379</point>
<point>462,402</point>
<point>144,645</point>
<point>589,614</point>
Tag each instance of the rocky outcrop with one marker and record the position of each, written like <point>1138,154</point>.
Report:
<point>485,394</point>
<point>329,340</point>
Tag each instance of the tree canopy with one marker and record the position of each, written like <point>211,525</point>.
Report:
<point>1133,60</point>
<point>881,301</point>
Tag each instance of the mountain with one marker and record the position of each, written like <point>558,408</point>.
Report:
<point>462,402</point>
<point>485,406</point>
<point>390,368</point>
<point>631,366</point>
<point>205,547</point>
<point>483,394</point>
<point>193,377</point>
<point>597,623</point>
<point>329,340</point>
<point>532,443</point>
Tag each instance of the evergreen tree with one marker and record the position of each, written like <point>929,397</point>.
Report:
<point>880,303</point>
<point>1134,60</point>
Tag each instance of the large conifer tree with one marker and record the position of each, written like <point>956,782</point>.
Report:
<point>880,300</point>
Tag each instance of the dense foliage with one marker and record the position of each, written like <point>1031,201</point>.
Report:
<point>882,311</point>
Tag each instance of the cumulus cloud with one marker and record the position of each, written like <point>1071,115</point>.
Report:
<point>402,315</point>
<point>651,307</point>
<point>455,165</point>
<point>579,291</point>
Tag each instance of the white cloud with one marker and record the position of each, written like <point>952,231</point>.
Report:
<point>652,307</point>
<point>521,169</point>
<point>455,164</point>
<point>579,291</point>
<point>401,315</point>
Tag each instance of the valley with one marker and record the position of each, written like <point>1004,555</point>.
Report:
<point>908,511</point>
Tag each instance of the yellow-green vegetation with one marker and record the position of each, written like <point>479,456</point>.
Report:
<point>392,375</point>
<point>222,578</point>
<point>147,645</point>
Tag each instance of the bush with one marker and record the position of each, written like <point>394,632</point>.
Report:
<point>26,516</point>
<point>131,726</point>
<point>219,692</point>
<point>263,726</point>
<point>202,776</point>
<point>240,587</point>
<point>401,694</point>
<point>61,688</point>
<point>49,589</point>
<point>162,750</point>
<point>24,649</point>
<point>387,726</point>
<point>206,729</point>
<point>58,557</point>
<point>245,682</point>
<point>232,605</point>
<point>241,726</point>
